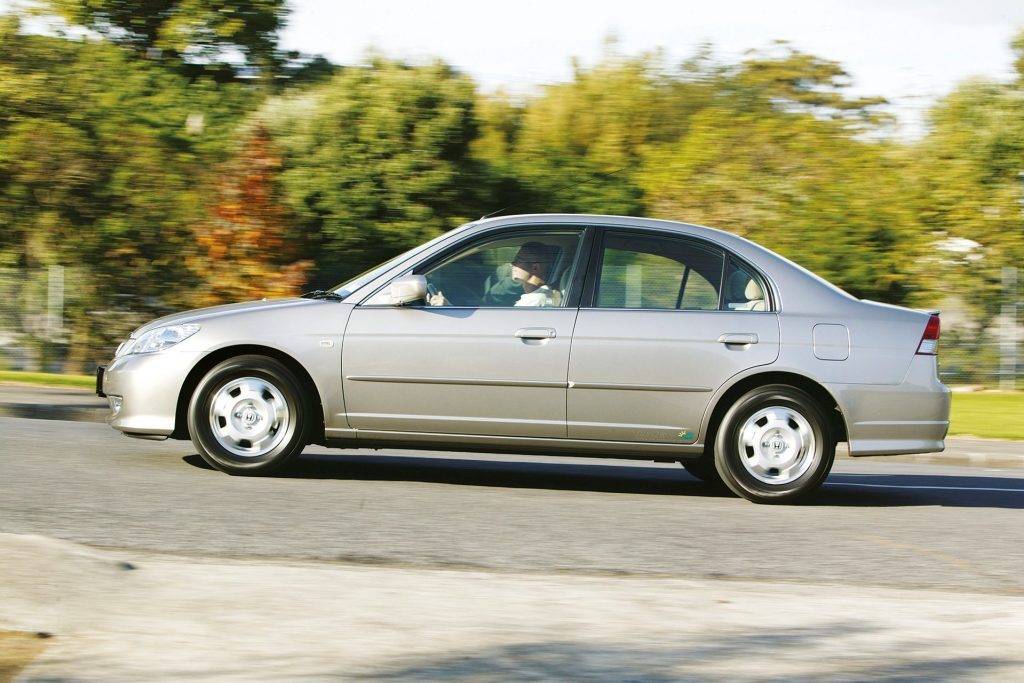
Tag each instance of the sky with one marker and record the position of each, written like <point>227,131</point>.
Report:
<point>909,51</point>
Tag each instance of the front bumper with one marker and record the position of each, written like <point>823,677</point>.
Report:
<point>143,391</point>
<point>911,417</point>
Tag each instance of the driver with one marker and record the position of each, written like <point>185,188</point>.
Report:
<point>525,275</point>
<point>531,269</point>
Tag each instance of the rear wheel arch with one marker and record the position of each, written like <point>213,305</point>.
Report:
<point>188,387</point>
<point>828,404</point>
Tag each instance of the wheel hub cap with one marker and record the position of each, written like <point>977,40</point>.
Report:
<point>249,416</point>
<point>777,445</point>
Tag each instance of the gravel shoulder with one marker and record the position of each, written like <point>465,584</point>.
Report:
<point>122,616</point>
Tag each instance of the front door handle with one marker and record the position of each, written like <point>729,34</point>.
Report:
<point>536,333</point>
<point>739,338</point>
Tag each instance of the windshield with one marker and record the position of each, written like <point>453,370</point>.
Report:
<point>349,286</point>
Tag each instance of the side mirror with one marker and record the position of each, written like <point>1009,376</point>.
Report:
<point>407,289</point>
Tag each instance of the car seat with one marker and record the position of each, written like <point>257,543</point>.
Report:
<point>743,293</point>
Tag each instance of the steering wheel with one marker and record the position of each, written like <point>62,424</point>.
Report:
<point>455,294</point>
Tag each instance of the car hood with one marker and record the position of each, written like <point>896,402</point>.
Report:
<point>199,314</point>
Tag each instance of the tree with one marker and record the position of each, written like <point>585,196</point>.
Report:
<point>203,34</point>
<point>791,81</point>
<point>576,145</point>
<point>376,160</point>
<point>970,187</point>
<point>773,157</point>
<point>104,160</point>
<point>248,249</point>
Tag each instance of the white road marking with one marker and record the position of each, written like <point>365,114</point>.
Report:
<point>930,488</point>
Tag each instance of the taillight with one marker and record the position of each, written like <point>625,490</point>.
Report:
<point>930,339</point>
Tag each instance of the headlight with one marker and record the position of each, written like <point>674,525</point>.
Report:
<point>159,339</point>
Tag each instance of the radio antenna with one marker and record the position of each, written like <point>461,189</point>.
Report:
<point>558,189</point>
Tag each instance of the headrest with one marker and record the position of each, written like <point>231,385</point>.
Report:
<point>753,291</point>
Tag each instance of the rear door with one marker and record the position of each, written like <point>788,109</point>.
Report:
<point>666,321</point>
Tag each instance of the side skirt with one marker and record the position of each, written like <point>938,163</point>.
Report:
<point>353,438</point>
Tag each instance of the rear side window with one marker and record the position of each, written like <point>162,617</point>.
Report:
<point>659,272</point>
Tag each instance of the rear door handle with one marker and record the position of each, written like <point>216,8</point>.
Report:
<point>536,333</point>
<point>743,338</point>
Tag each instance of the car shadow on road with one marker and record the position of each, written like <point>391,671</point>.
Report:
<point>901,490</point>
<point>839,490</point>
<point>726,657</point>
<point>469,471</point>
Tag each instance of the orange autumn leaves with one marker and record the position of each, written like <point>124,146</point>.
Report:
<point>246,249</point>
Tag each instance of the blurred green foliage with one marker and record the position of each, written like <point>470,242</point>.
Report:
<point>196,36</point>
<point>375,160</point>
<point>169,150</point>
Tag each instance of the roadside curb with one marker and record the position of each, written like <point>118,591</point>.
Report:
<point>36,402</point>
<point>41,411</point>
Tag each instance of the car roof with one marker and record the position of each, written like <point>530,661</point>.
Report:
<point>723,237</point>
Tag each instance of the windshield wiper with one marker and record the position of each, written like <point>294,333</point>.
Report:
<point>323,294</point>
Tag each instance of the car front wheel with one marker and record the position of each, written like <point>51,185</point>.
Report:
<point>248,416</point>
<point>775,445</point>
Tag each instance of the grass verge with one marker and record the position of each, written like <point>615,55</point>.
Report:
<point>991,416</point>
<point>46,379</point>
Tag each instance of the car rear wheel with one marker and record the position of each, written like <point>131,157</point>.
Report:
<point>775,445</point>
<point>248,416</point>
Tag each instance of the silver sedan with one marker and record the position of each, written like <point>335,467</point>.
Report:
<point>558,334</point>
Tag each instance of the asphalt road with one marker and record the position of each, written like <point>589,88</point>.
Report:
<point>873,523</point>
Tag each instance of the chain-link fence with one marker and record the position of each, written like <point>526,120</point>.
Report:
<point>51,322</point>
<point>33,335</point>
<point>984,359</point>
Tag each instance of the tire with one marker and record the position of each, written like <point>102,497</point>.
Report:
<point>775,445</point>
<point>704,469</point>
<point>249,416</point>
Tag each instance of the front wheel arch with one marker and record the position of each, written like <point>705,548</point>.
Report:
<point>315,426</point>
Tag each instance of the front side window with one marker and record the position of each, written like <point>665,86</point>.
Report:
<point>658,272</point>
<point>521,269</point>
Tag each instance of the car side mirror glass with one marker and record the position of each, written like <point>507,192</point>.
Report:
<point>407,289</point>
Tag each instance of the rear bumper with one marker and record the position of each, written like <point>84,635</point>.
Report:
<point>911,417</point>
<point>145,390</point>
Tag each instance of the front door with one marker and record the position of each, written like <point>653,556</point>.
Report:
<point>486,353</point>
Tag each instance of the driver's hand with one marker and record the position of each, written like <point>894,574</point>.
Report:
<point>437,299</point>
